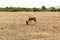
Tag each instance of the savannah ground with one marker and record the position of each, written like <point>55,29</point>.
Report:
<point>13,26</point>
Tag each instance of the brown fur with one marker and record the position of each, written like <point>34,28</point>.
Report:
<point>30,19</point>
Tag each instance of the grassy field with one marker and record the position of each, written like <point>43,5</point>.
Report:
<point>13,26</point>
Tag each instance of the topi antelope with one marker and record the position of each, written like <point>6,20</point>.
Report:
<point>30,19</point>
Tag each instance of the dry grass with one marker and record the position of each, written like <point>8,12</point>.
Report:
<point>13,26</point>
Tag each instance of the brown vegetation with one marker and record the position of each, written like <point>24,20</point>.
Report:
<point>13,26</point>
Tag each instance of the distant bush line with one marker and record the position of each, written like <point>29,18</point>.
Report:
<point>18,9</point>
